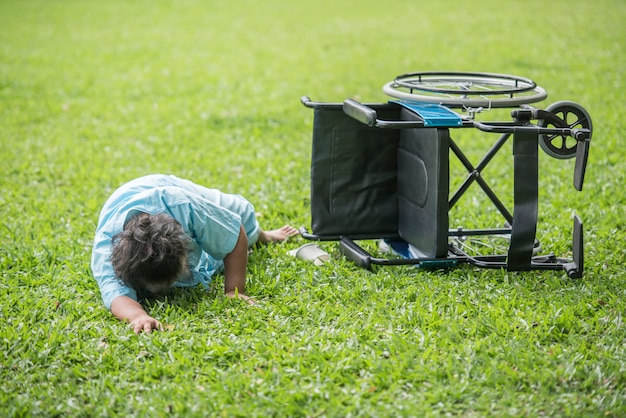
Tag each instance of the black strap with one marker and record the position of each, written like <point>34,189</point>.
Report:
<point>525,198</point>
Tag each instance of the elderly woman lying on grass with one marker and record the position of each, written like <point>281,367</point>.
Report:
<point>160,231</point>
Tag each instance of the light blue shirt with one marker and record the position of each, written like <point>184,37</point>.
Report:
<point>211,218</point>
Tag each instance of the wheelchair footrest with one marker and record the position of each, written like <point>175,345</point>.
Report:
<point>576,267</point>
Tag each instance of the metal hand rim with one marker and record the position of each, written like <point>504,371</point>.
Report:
<point>462,98</point>
<point>513,84</point>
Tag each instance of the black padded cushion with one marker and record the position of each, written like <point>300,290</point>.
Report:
<point>423,183</point>
<point>353,175</point>
<point>372,182</point>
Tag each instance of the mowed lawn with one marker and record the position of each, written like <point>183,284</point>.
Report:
<point>95,93</point>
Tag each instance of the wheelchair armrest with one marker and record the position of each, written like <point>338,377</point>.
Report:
<point>360,112</point>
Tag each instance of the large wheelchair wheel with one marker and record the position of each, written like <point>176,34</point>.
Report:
<point>565,114</point>
<point>465,90</point>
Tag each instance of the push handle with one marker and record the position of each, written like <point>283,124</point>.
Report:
<point>362,113</point>
<point>305,100</point>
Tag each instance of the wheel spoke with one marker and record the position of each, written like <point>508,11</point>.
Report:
<point>564,113</point>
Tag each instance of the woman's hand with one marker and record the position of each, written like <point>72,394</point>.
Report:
<point>145,323</point>
<point>235,294</point>
<point>127,309</point>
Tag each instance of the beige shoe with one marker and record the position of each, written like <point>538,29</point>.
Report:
<point>311,252</point>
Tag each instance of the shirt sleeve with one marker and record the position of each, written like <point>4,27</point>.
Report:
<point>110,286</point>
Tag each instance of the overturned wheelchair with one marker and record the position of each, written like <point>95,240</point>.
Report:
<point>382,171</point>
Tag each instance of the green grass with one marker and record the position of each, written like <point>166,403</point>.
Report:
<point>95,93</point>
